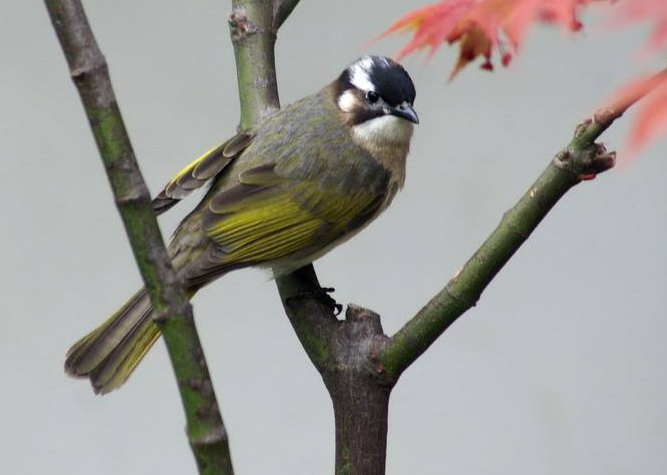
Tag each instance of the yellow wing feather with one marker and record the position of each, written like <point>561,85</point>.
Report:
<point>188,169</point>
<point>200,171</point>
<point>274,222</point>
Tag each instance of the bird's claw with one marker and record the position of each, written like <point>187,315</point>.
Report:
<point>329,301</point>
<point>321,295</point>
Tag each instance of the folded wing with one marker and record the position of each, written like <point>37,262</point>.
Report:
<point>267,217</point>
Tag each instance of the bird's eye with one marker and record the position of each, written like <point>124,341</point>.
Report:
<point>372,97</point>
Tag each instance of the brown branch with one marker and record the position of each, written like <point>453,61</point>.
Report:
<point>88,68</point>
<point>314,322</point>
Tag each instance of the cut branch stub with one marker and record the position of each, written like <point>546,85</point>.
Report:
<point>360,389</point>
<point>356,342</point>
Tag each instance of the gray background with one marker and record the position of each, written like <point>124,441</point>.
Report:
<point>559,369</point>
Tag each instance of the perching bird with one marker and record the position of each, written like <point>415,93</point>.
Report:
<point>283,193</point>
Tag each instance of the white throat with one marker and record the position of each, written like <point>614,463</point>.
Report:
<point>384,130</point>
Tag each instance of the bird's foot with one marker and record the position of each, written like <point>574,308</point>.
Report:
<point>320,295</point>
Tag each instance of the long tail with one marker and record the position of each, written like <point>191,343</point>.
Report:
<point>110,353</point>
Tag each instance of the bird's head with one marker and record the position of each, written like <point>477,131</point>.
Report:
<point>376,96</point>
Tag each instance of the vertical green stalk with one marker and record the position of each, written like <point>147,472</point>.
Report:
<point>254,38</point>
<point>89,70</point>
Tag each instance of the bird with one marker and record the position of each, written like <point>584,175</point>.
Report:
<point>281,194</point>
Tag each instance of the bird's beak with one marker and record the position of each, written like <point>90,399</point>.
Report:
<point>405,111</point>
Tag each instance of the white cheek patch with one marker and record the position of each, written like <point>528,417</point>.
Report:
<point>384,130</point>
<point>347,101</point>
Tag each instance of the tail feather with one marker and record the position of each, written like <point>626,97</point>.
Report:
<point>110,353</point>
<point>124,358</point>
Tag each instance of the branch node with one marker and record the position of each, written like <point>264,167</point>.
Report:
<point>164,314</point>
<point>132,198</point>
<point>208,411</point>
<point>460,300</point>
<point>512,226</point>
<point>161,317</point>
<point>583,126</point>
<point>79,73</point>
<point>599,161</point>
<point>563,159</point>
<point>216,436</point>
<point>240,25</point>
<point>587,163</point>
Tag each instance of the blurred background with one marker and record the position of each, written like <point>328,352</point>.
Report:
<point>559,368</point>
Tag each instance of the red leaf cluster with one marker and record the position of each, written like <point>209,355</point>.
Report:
<point>482,26</point>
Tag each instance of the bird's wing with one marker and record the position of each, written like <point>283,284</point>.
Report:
<point>196,174</point>
<point>268,216</point>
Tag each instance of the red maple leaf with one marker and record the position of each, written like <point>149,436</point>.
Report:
<point>433,25</point>
<point>479,26</point>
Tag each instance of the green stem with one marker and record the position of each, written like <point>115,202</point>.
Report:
<point>581,159</point>
<point>254,37</point>
<point>88,68</point>
<point>253,27</point>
